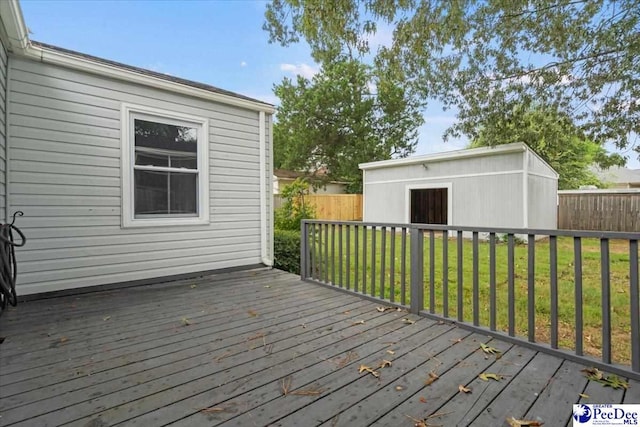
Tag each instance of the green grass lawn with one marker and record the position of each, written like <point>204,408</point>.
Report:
<point>592,314</point>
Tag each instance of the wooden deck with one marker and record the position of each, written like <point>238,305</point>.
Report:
<point>162,354</point>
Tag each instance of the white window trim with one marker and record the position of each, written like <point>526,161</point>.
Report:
<point>127,155</point>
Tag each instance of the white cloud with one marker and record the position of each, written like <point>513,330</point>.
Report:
<point>304,70</point>
<point>243,64</point>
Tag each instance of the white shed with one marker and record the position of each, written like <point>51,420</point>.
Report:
<point>504,186</point>
<point>125,175</point>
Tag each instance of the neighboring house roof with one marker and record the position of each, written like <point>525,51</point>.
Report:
<point>618,175</point>
<point>457,154</point>
<point>19,43</point>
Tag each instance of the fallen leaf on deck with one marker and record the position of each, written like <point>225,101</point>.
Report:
<point>399,388</point>
<point>364,368</point>
<point>519,423</point>
<point>64,339</point>
<point>456,341</point>
<point>408,321</point>
<point>463,389</point>
<point>385,363</point>
<point>286,385</point>
<point>212,410</point>
<point>584,395</point>
<point>391,352</point>
<point>267,286</point>
<point>105,318</point>
<point>349,357</point>
<point>346,312</point>
<point>185,321</point>
<point>613,381</point>
<point>432,377</point>
<point>193,286</point>
<point>252,313</point>
<point>485,376</point>
<point>383,309</point>
<point>489,350</point>
<point>423,399</point>
<point>359,322</point>
<point>309,391</point>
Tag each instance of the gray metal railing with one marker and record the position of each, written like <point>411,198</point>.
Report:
<point>569,293</point>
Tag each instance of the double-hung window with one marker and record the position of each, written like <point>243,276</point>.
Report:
<point>165,168</point>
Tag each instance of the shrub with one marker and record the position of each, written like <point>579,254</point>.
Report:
<point>286,245</point>
<point>294,209</point>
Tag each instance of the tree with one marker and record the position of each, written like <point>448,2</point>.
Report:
<point>345,115</point>
<point>484,58</point>
<point>555,138</point>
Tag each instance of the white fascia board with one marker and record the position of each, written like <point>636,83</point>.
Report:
<point>602,191</point>
<point>14,25</point>
<point>45,55</point>
<point>448,155</point>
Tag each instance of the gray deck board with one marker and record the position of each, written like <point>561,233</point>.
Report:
<point>127,359</point>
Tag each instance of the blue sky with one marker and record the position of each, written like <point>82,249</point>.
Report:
<point>216,42</point>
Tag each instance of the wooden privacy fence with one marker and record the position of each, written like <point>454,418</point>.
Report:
<point>599,210</point>
<point>335,207</point>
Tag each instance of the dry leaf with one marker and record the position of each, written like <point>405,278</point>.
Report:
<point>383,309</point>
<point>252,313</point>
<point>584,395</point>
<point>456,341</point>
<point>185,321</point>
<point>193,286</point>
<point>267,286</point>
<point>463,389</point>
<point>359,322</point>
<point>349,357</point>
<point>432,378</point>
<point>399,388</point>
<point>346,312</point>
<point>64,339</point>
<point>518,423</point>
<point>286,385</point>
<point>105,318</point>
<point>385,363</point>
<point>364,368</point>
<point>613,381</point>
<point>489,350</point>
<point>212,410</point>
<point>423,399</point>
<point>485,376</point>
<point>391,352</point>
<point>310,391</point>
<point>408,321</point>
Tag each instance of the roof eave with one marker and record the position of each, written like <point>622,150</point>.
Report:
<point>52,56</point>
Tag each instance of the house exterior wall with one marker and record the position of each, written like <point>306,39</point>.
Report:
<point>65,175</point>
<point>484,190</point>
<point>3,130</point>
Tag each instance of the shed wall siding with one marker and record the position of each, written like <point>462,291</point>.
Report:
<point>64,128</point>
<point>3,131</point>
<point>543,202</point>
<point>486,200</point>
<point>448,168</point>
<point>538,166</point>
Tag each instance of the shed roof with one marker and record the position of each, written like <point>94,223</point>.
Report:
<point>454,155</point>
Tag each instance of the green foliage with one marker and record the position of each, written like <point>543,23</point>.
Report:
<point>346,114</point>
<point>294,209</point>
<point>555,138</point>
<point>286,245</point>
<point>484,58</point>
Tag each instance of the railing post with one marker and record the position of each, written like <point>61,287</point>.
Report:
<point>416,261</point>
<point>303,249</point>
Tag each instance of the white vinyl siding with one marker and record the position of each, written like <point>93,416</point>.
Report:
<point>65,175</point>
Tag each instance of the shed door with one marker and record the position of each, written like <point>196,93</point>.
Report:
<point>429,206</point>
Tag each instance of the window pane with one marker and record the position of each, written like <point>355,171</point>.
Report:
<point>189,162</point>
<point>161,140</point>
<point>165,193</point>
<point>151,195</point>
<point>151,159</point>
<point>183,197</point>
